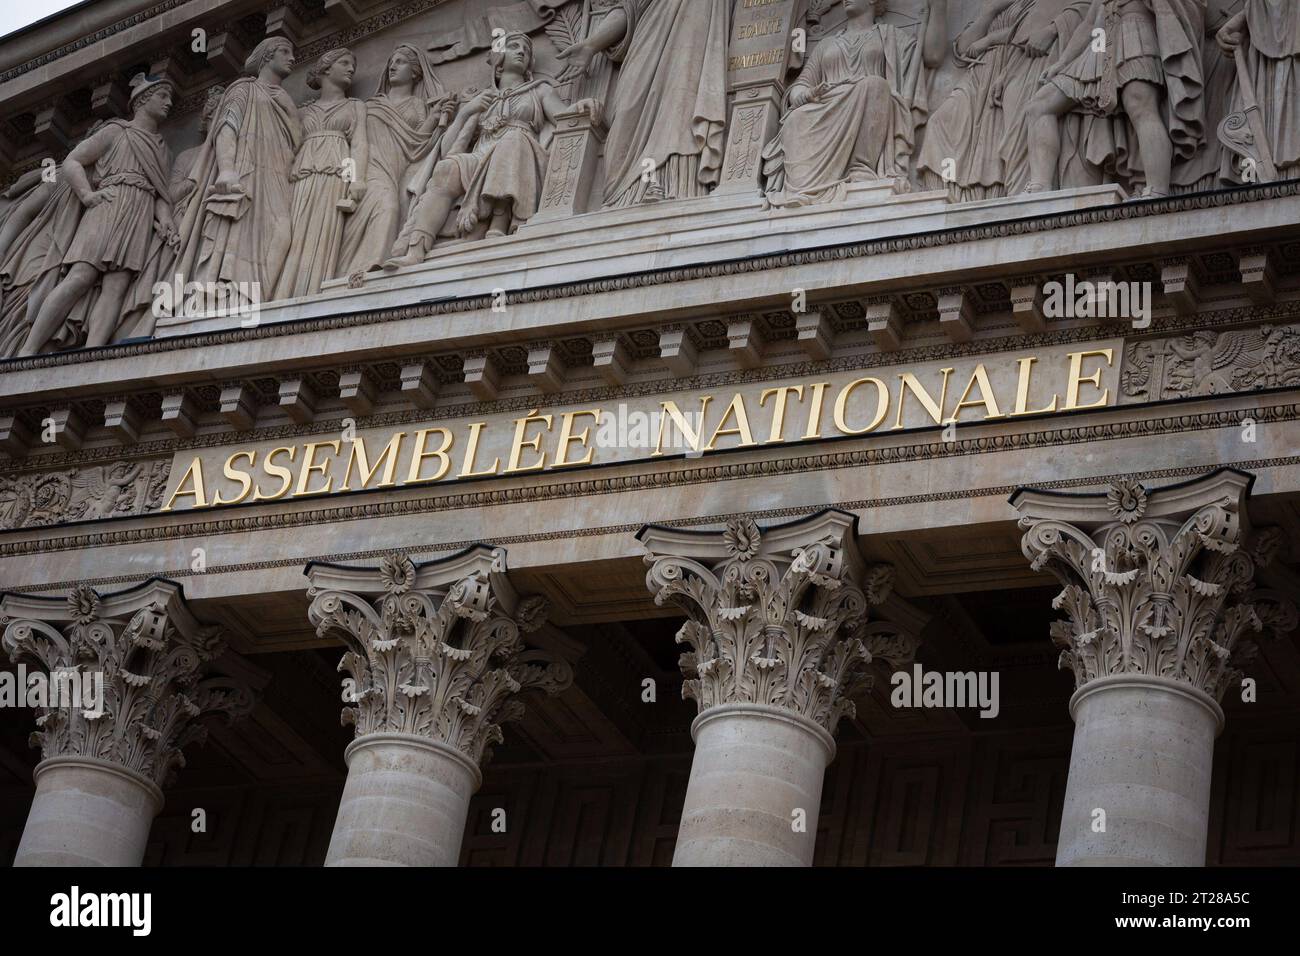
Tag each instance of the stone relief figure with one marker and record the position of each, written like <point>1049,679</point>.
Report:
<point>237,227</point>
<point>1211,167</point>
<point>182,182</point>
<point>1038,41</point>
<point>129,199</point>
<point>666,134</point>
<point>851,115</point>
<point>328,176</point>
<point>964,135</point>
<point>139,317</point>
<point>1264,39</point>
<point>404,124</point>
<point>494,163</point>
<point>1138,63</point>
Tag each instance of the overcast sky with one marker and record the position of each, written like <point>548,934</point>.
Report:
<point>18,13</point>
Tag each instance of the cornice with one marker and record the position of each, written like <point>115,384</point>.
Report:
<point>654,278</point>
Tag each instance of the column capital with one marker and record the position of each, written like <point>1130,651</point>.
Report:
<point>1157,582</point>
<point>154,659</point>
<point>434,649</point>
<point>776,616</point>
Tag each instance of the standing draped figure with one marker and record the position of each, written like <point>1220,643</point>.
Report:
<point>1269,33</point>
<point>1039,38</point>
<point>327,171</point>
<point>851,116</point>
<point>670,107</point>
<point>964,135</point>
<point>236,226</point>
<point>401,130</point>
<point>1138,64</point>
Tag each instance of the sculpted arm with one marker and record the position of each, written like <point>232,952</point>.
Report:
<point>1078,43</point>
<point>227,175</point>
<point>610,32</point>
<point>978,28</point>
<point>87,153</point>
<point>936,34</point>
<point>360,153</point>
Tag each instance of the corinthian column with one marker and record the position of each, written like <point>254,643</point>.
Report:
<point>1158,600</point>
<point>779,646</point>
<point>139,660</point>
<point>434,662</point>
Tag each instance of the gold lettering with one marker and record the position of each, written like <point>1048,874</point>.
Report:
<point>778,409</point>
<point>388,458</point>
<point>244,478</point>
<point>419,455</point>
<point>471,452</point>
<point>736,408</point>
<point>670,410</point>
<point>310,465</point>
<point>814,429</point>
<point>1077,378</point>
<point>1022,391</point>
<point>935,409</point>
<point>535,443</point>
<point>276,471</point>
<point>842,401</point>
<point>195,473</point>
<point>979,377</point>
<point>567,438</point>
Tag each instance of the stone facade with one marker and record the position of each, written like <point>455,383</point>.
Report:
<point>549,365</point>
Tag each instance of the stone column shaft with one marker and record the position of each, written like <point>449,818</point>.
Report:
<point>404,804</point>
<point>88,812</point>
<point>755,768</point>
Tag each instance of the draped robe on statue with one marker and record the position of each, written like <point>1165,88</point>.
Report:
<point>1273,62</point>
<point>318,187</point>
<point>395,146</point>
<point>1021,79</point>
<point>1159,41</point>
<point>233,239</point>
<point>968,125</point>
<point>820,149</point>
<point>671,102</point>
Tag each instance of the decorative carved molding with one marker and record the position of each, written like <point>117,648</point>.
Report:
<point>37,499</point>
<point>1155,582</point>
<point>155,659</point>
<point>1213,363</point>
<point>434,649</point>
<point>776,616</point>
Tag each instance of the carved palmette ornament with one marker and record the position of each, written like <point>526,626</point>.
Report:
<point>1153,596</point>
<point>445,666</point>
<point>783,630</point>
<point>156,696</point>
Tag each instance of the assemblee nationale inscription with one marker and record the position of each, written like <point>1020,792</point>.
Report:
<point>985,388</point>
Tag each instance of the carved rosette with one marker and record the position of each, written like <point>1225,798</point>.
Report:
<point>155,665</point>
<point>1165,595</point>
<point>443,663</point>
<point>775,623</point>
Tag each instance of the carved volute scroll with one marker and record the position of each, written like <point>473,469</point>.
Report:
<point>156,660</point>
<point>776,616</point>
<point>1156,582</point>
<point>434,650</point>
